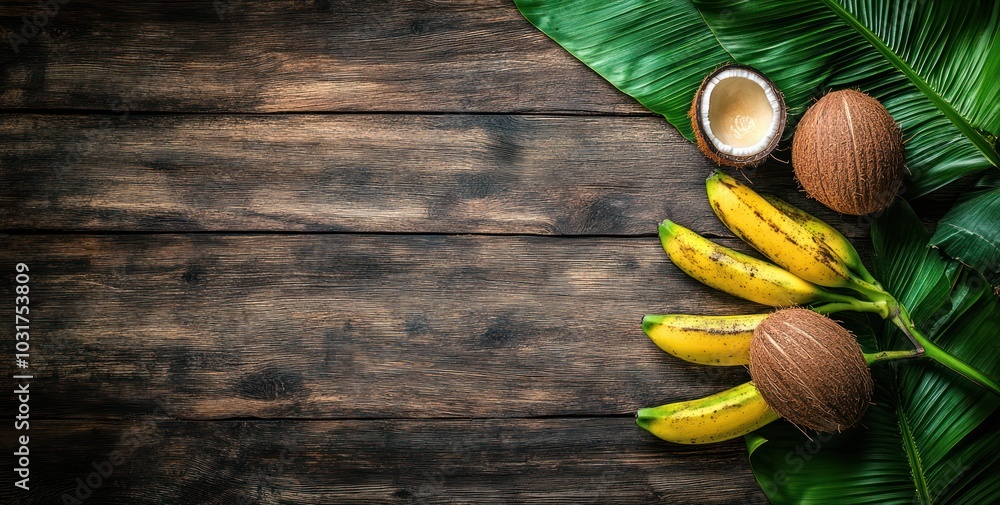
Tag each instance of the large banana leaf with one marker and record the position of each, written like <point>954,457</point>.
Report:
<point>930,436</point>
<point>934,64</point>
<point>970,232</point>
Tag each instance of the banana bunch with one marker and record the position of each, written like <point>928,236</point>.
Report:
<point>814,265</point>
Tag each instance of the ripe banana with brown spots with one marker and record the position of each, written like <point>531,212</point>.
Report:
<point>706,340</point>
<point>827,235</point>
<point>736,273</point>
<point>723,416</point>
<point>783,238</point>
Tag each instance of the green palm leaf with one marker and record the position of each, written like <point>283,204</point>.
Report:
<point>970,232</point>
<point>934,64</point>
<point>930,436</point>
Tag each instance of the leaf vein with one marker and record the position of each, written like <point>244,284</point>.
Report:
<point>977,235</point>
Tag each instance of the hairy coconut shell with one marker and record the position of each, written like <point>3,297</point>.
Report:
<point>709,149</point>
<point>810,370</point>
<point>848,153</point>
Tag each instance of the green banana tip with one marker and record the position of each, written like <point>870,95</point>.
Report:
<point>643,419</point>
<point>666,228</point>
<point>651,321</point>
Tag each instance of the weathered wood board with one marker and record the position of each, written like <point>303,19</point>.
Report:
<point>323,251</point>
<point>602,460</point>
<point>356,326</point>
<point>294,55</point>
<point>505,174</point>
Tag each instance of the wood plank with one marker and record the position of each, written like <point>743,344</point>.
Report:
<point>354,326</point>
<point>363,173</point>
<point>584,460</point>
<point>293,55</point>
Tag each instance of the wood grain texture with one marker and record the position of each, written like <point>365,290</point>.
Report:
<point>453,315</point>
<point>363,173</point>
<point>356,326</point>
<point>294,55</point>
<point>582,460</point>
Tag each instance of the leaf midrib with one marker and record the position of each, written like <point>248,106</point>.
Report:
<point>712,31</point>
<point>978,236</point>
<point>982,143</point>
<point>913,455</point>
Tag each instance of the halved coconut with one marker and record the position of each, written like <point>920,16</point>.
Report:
<point>737,116</point>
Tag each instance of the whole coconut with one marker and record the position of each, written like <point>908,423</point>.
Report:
<point>848,153</point>
<point>810,370</point>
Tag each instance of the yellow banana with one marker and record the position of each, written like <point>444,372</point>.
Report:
<point>825,234</point>
<point>722,416</point>
<point>706,340</point>
<point>736,273</point>
<point>775,234</point>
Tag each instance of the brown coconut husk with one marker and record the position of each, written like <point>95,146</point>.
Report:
<point>810,370</point>
<point>848,153</point>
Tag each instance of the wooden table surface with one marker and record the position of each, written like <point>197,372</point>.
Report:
<point>345,252</point>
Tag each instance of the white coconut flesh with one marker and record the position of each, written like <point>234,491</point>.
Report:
<point>739,112</point>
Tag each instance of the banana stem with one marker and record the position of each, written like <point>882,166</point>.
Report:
<point>867,277</point>
<point>921,343</point>
<point>830,308</point>
<point>901,319</point>
<point>883,303</point>
<point>878,357</point>
<point>849,303</point>
<point>872,290</point>
<point>968,371</point>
